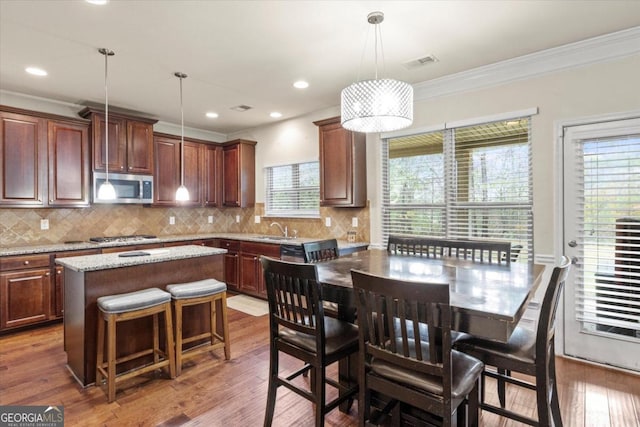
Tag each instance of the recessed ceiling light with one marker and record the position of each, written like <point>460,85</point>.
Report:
<point>276,115</point>
<point>36,71</point>
<point>212,115</point>
<point>98,2</point>
<point>301,84</point>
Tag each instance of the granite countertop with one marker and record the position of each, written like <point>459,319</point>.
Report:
<point>75,246</point>
<point>148,256</point>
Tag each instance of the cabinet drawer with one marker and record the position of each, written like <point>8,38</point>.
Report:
<point>258,249</point>
<point>77,253</point>
<point>131,248</point>
<point>230,245</point>
<point>22,262</point>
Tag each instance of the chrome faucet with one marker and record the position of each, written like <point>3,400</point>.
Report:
<point>284,231</point>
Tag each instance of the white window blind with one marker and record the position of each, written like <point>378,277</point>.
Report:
<point>293,190</point>
<point>470,182</point>
<point>608,178</point>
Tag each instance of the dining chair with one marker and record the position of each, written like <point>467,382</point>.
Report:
<point>481,250</point>
<point>321,250</point>
<point>530,352</point>
<point>475,250</point>
<point>402,367</point>
<point>299,328</point>
<point>417,246</point>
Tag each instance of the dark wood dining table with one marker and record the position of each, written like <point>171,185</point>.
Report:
<point>487,299</point>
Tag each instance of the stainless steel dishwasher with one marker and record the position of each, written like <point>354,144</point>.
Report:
<point>292,253</point>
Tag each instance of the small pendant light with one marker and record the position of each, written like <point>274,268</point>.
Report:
<point>106,190</point>
<point>182,193</point>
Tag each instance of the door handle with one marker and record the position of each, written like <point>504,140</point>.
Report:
<point>572,244</point>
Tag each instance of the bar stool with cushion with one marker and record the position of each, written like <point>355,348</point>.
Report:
<point>530,352</point>
<point>207,291</point>
<point>123,307</point>
<point>299,328</point>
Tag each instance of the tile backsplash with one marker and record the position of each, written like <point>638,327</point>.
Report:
<point>20,227</point>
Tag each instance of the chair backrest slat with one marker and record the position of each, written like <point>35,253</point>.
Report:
<point>321,250</point>
<point>391,314</point>
<point>476,250</point>
<point>294,295</point>
<point>549,306</point>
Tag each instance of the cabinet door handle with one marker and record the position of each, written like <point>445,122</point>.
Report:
<point>47,274</point>
<point>26,263</point>
<point>59,272</point>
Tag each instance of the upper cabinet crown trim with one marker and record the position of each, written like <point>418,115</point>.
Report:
<point>115,112</point>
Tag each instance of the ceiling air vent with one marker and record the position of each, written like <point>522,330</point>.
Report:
<point>241,108</point>
<point>420,62</point>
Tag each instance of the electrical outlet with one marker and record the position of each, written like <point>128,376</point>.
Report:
<point>327,221</point>
<point>44,224</point>
<point>210,219</point>
<point>237,218</point>
<point>354,221</point>
<point>172,220</point>
<point>257,219</point>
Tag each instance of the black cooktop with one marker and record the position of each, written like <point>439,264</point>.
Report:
<point>131,238</point>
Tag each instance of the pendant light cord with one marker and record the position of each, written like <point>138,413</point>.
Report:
<point>106,114</point>
<point>181,136</point>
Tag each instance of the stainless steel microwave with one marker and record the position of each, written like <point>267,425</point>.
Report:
<point>129,188</point>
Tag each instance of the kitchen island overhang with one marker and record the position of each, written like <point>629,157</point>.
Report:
<point>89,277</point>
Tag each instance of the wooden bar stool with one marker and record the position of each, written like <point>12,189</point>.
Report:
<point>194,293</point>
<point>123,307</point>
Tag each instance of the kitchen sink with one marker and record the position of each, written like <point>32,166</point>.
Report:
<point>274,238</point>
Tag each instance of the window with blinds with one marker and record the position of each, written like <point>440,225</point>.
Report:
<point>470,182</point>
<point>609,245</point>
<point>293,190</point>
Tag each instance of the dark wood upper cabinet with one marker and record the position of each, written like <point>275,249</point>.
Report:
<point>212,164</point>
<point>239,168</point>
<point>44,160</point>
<point>68,164</point>
<point>193,178</point>
<point>23,146</point>
<point>343,165</point>
<point>130,142</point>
<point>166,176</point>
<point>202,171</point>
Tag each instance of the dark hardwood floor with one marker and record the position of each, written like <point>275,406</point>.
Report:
<point>215,392</point>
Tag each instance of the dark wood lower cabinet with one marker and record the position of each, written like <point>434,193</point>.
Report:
<point>25,297</point>
<point>251,276</point>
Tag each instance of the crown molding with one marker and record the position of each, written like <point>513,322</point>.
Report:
<point>70,109</point>
<point>599,49</point>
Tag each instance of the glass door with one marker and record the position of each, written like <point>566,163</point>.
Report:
<point>602,235</point>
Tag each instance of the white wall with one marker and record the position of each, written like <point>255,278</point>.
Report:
<point>285,142</point>
<point>586,91</point>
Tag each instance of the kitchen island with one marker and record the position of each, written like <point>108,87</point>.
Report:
<point>89,277</point>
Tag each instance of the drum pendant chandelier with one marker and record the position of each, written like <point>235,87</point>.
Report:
<point>378,105</point>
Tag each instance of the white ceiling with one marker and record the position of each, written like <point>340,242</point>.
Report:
<point>251,52</point>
